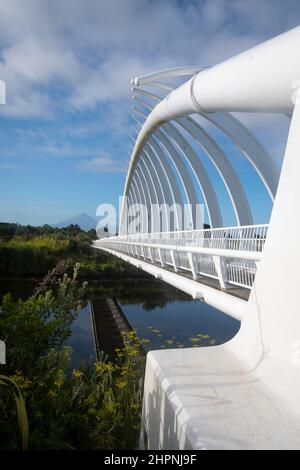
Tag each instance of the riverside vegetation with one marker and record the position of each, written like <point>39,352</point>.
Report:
<point>30,252</point>
<point>45,405</point>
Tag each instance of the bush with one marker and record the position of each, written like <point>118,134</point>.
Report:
<point>95,407</point>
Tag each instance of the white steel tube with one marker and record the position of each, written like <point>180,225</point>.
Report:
<point>258,80</point>
<point>223,252</point>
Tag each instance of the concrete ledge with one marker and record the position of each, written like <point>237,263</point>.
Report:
<point>205,399</point>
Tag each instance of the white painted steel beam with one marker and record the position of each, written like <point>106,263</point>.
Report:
<point>161,186</point>
<point>218,158</point>
<point>182,173</point>
<point>153,190</point>
<point>161,74</point>
<point>147,195</point>
<point>221,252</point>
<point>143,203</point>
<point>172,181</point>
<point>167,181</point>
<point>166,187</point>
<point>200,173</point>
<point>248,79</point>
<point>257,155</point>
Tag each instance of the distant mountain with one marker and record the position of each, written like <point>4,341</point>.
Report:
<point>85,222</point>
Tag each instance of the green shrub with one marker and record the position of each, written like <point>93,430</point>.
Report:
<point>95,407</point>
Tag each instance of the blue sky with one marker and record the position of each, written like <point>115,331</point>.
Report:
<point>67,66</point>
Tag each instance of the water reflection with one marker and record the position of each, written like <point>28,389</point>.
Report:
<point>82,339</point>
<point>180,323</point>
<point>162,315</point>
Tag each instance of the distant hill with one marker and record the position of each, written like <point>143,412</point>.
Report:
<point>85,222</point>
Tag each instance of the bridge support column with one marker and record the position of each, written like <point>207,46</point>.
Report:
<point>160,257</point>
<point>173,257</point>
<point>192,265</point>
<point>150,254</point>
<point>221,270</point>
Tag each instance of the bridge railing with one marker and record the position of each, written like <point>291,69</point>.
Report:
<point>228,254</point>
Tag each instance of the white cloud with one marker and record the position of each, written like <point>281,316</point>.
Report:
<point>65,150</point>
<point>90,50</point>
<point>76,58</point>
<point>102,164</point>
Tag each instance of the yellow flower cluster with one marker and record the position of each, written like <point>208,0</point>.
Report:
<point>103,367</point>
<point>77,374</point>
<point>22,382</point>
<point>121,384</point>
<point>60,379</point>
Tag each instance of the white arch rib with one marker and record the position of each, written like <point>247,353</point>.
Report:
<point>142,201</point>
<point>160,184</point>
<point>147,196</point>
<point>155,215</point>
<point>203,180</point>
<point>171,189</point>
<point>183,174</point>
<point>199,171</point>
<point>248,79</point>
<point>216,155</point>
<point>253,150</point>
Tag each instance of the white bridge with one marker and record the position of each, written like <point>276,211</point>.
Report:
<point>243,394</point>
<point>202,263</point>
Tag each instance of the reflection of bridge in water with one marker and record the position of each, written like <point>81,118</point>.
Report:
<point>108,324</point>
<point>245,393</point>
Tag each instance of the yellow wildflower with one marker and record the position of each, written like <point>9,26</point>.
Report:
<point>77,374</point>
<point>121,384</point>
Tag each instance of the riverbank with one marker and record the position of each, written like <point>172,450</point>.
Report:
<point>96,405</point>
<point>31,252</point>
<point>49,374</point>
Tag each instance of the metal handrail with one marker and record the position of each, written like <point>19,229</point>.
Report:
<point>229,254</point>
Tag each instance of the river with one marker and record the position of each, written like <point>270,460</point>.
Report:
<point>163,316</point>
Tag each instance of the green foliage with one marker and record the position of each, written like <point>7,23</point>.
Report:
<point>29,327</point>
<point>21,410</point>
<point>44,242</point>
<point>95,407</point>
<point>33,251</point>
<point>7,231</point>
